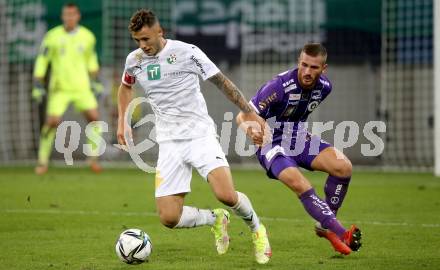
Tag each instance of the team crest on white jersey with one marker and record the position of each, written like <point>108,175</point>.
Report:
<point>172,59</point>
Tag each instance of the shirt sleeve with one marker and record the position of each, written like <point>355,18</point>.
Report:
<point>128,77</point>
<point>92,61</point>
<point>269,94</point>
<point>327,87</point>
<point>43,58</point>
<point>201,64</point>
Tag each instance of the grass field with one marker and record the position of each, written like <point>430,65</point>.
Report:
<point>70,219</point>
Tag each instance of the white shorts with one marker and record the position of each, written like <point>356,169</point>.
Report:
<point>178,157</point>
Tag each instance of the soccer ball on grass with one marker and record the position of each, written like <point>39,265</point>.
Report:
<point>133,246</point>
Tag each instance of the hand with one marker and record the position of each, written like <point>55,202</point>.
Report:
<point>38,93</point>
<point>97,88</point>
<point>123,130</point>
<point>256,128</point>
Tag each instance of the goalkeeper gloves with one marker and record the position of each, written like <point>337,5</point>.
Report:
<point>38,92</point>
<point>97,88</point>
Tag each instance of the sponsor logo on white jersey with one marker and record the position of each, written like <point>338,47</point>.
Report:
<point>197,62</point>
<point>153,72</point>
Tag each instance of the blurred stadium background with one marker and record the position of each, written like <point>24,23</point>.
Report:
<point>381,63</point>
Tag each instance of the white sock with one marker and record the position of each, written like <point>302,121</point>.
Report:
<point>244,209</point>
<point>192,217</point>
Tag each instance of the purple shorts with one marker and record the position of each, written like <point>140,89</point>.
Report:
<point>275,158</point>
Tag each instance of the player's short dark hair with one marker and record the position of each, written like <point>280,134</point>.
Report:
<point>71,5</point>
<point>315,49</point>
<point>142,17</point>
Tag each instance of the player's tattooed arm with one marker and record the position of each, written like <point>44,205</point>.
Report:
<point>247,114</point>
<point>231,91</point>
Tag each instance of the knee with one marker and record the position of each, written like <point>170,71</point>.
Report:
<point>343,169</point>
<point>169,220</point>
<point>228,198</point>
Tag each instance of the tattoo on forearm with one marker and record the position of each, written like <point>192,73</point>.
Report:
<point>231,91</point>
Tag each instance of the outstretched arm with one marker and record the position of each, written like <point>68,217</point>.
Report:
<point>252,123</point>
<point>231,91</point>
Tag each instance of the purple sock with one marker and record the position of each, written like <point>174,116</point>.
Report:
<point>321,212</point>
<point>335,190</point>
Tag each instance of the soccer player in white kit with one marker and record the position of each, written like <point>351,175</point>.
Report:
<point>167,70</point>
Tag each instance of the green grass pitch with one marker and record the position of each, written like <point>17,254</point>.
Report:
<point>70,219</point>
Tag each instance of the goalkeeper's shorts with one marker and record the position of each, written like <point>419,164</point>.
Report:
<point>59,101</point>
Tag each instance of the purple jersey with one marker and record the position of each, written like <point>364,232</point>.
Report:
<point>283,98</point>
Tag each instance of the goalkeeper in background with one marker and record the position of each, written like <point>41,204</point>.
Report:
<point>70,50</point>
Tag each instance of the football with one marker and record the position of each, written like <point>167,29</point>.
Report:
<point>133,246</point>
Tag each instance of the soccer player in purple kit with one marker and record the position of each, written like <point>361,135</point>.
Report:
<point>289,98</point>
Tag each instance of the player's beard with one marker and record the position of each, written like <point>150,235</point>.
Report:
<point>309,83</point>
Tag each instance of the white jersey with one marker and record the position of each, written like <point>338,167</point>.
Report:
<point>171,84</point>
